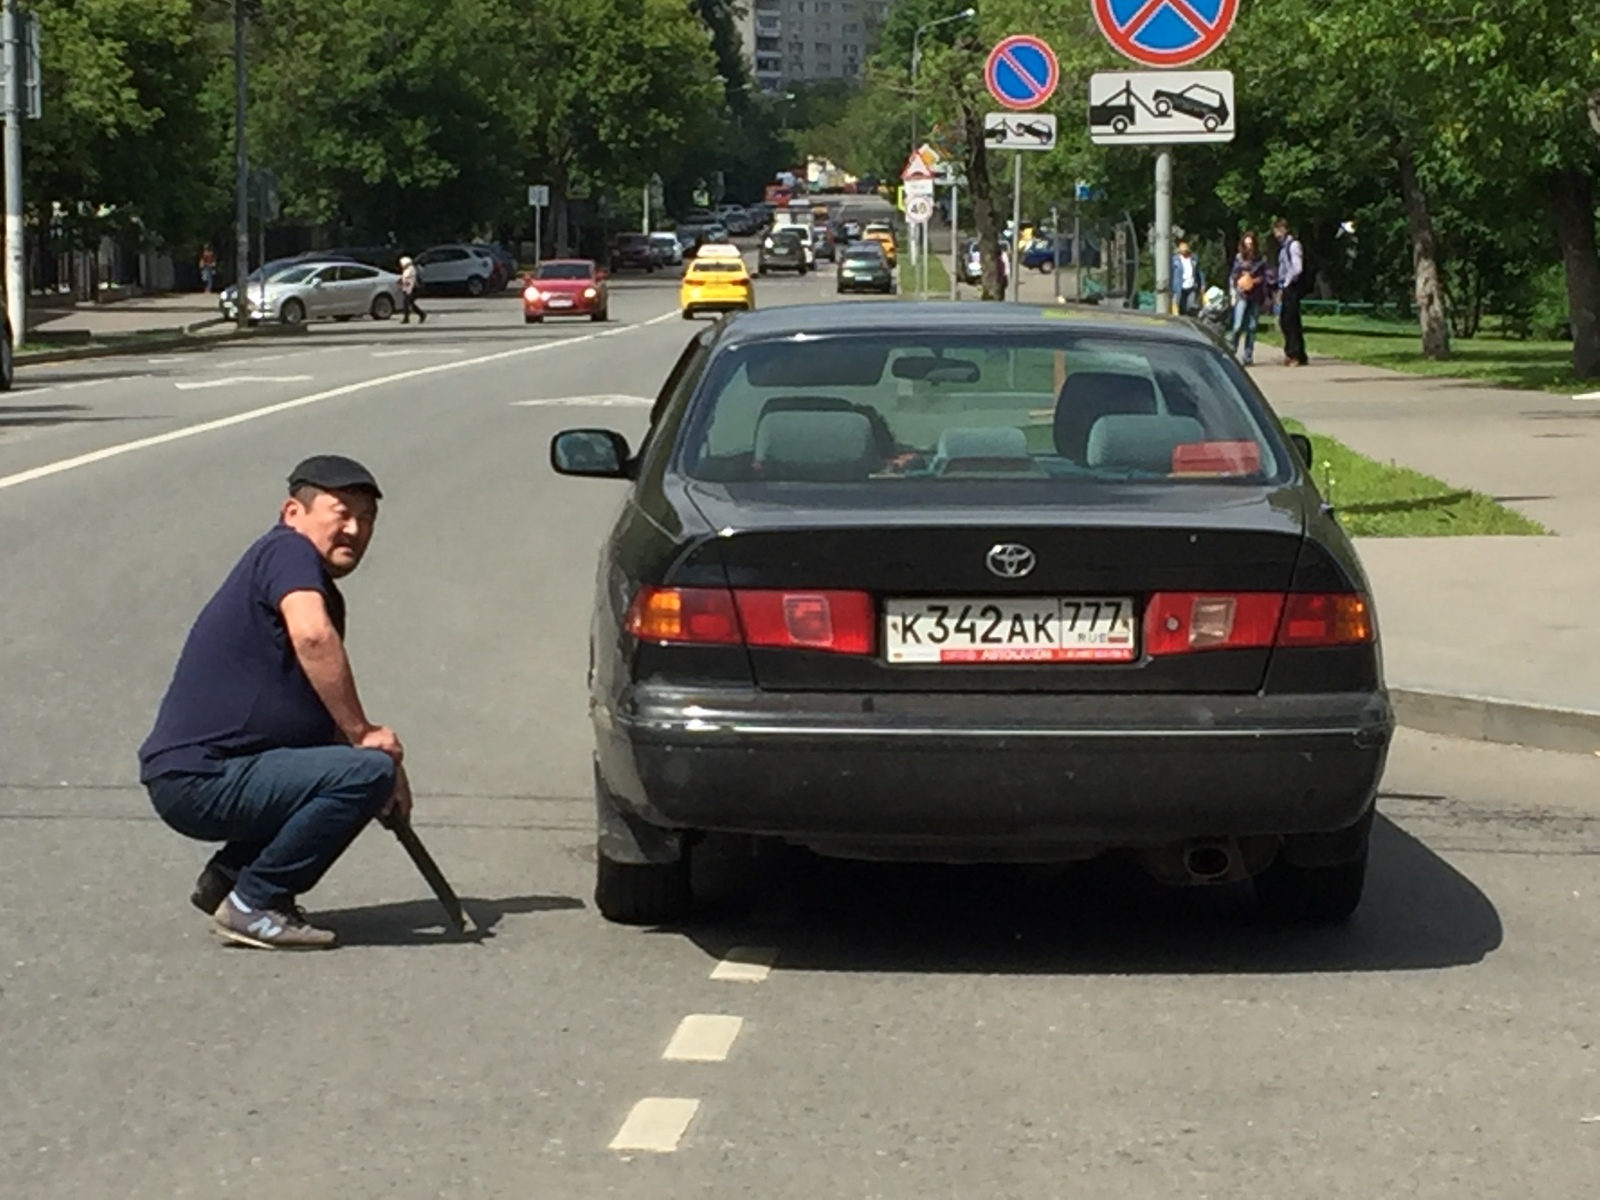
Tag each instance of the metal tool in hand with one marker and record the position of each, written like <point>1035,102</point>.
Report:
<point>407,837</point>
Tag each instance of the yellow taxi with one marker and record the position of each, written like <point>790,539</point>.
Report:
<point>882,233</point>
<point>716,280</point>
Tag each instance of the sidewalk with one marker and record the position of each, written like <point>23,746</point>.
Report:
<point>1483,636</point>
<point>144,314</point>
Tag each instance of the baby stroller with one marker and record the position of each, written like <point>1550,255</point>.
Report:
<point>1215,311</point>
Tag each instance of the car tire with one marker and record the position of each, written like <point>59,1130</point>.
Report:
<point>292,313</point>
<point>602,315</point>
<point>476,285</point>
<point>8,359</point>
<point>642,893</point>
<point>527,320</point>
<point>761,270</point>
<point>1211,123</point>
<point>1163,107</point>
<point>1288,894</point>
<point>688,314</point>
<point>1119,125</point>
<point>382,308</point>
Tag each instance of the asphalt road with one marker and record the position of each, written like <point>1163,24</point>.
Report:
<point>920,1033</point>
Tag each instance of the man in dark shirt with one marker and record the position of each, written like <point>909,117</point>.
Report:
<point>261,742</point>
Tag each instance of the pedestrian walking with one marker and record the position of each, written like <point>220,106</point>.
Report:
<point>1291,284</point>
<point>1247,281</point>
<point>208,267</point>
<point>1187,279</point>
<point>261,741</point>
<point>410,285</point>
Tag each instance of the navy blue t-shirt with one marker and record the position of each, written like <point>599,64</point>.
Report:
<point>238,687</point>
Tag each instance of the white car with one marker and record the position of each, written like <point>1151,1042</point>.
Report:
<point>455,267</point>
<point>313,291</point>
<point>669,250</point>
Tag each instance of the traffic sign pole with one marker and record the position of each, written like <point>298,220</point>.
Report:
<point>1022,73</point>
<point>955,236</point>
<point>1163,246</point>
<point>1016,232</point>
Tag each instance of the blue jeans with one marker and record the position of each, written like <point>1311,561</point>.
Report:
<point>1245,315</point>
<point>285,815</point>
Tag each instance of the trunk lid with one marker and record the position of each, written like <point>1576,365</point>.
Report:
<point>909,543</point>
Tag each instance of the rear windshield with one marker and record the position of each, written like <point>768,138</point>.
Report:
<point>565,271</point>
<point>869,254</point>
<point>708,266</point>
<point>888,407</point>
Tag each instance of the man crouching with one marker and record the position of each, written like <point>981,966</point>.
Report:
<point>261,742</point>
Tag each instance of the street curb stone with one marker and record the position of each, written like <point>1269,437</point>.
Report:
<point>190,337</point>
<point>1507,722</point>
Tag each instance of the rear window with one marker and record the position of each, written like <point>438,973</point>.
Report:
<point>565,271</point>
<point>884,408</point>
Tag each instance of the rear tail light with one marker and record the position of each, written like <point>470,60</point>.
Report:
<point>837,621</point>
<point>1187,622</point>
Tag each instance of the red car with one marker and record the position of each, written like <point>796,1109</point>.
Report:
<point>565,287</point>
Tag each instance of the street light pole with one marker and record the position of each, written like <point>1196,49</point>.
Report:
<point>241,167</point>
<point>15,261</point>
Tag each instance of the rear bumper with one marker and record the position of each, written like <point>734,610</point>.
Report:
<point>994,770</point>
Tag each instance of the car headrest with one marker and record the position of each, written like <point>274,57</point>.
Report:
<point>1087,396</point>
<point>1140,443</point>
<point>988,448</point>
<point>815,445</point>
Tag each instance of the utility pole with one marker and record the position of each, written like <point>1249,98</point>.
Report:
<point>16,261</point>
<point>241,164</point>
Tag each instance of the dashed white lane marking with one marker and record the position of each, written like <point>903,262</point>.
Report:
<point>703,1037</point>
<point>746,964</point>
<point>230,380</point>
<point>255,414</point>
<point>167,358</point>
<point>657,1124</point>
<point>612,401</point>
<point>418,350</point>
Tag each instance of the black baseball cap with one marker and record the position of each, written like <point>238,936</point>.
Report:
<point>333,473</point>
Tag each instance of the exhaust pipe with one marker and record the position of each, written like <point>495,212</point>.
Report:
<point>1208,862</point>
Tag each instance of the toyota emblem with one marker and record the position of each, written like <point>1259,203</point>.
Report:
<point>1010,560</point>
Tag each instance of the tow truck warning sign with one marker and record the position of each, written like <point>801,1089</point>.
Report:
<point>1160,108</point>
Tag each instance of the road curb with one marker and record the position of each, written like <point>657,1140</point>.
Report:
<point>190,337</point>
<point>1507,722</point>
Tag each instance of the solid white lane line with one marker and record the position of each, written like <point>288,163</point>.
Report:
<point>230,380</point>
<point>255,414</point>
<point>703,1037</point>
<point>618,401</point>
<point>418,350</point>
<point>746,964</point>
<point>657,1123</point>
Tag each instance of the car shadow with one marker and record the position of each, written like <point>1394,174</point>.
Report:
<point>1106,917</point>
<point>423,923</point>
<point>33,416</point>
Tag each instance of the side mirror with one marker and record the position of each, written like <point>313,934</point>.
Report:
<point>600,453</point>
<point>1303,444</point>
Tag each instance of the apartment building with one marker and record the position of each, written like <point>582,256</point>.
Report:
<point>791,41</point>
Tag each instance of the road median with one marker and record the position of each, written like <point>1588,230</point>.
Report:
<point>201,335</point>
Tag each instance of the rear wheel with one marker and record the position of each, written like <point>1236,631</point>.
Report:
<point>382,307</point>
<point>292,313</point>
<point>688,314</point>
<point>528,319</point>
<point>1292,895</point>
<point>642,893</point>
<point>476,285</point>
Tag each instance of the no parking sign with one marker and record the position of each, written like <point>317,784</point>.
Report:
<point>1165,33</point>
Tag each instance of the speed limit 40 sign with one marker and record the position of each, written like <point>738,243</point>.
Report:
<point>919,208</point>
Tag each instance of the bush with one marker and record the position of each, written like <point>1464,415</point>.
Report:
<point>1549,317</point>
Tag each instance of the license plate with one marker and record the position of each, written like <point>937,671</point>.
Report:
<point>1010,630</point>
<point>561,302</point>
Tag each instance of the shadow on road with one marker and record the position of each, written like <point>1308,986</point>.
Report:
<point>1105,918</point>
<point>42,415</point>
<point>422,922</point>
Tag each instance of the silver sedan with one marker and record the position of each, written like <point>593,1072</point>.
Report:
<point>313,291</point>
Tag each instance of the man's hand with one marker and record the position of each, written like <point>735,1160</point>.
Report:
<point>381,737</point>
<point>399,806</point>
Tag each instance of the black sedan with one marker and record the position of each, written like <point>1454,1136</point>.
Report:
<point>974,582</point>
<point>863,268</point>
